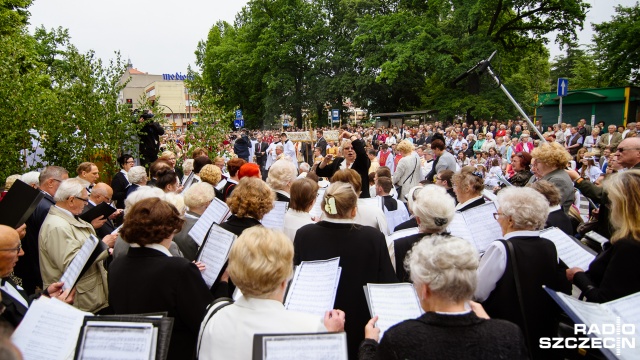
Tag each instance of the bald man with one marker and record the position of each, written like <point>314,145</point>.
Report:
<point>14,298</point>
<point>100,193</point>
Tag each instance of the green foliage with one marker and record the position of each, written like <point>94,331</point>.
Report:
<point>617,47</point>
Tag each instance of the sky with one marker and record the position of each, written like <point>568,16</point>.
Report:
<point>160,36</point>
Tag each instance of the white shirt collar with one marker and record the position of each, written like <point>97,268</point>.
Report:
<point>461,205</point>
<point>14,293</point>
<point>65,211</point>
<point>527,233</point>
<point>554,208</point>
<point>337,221</point>
<point>298,213</point>
<point>157,247</point>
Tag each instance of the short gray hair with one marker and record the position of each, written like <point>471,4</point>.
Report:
<point>527,208</point>
<point>199,194</point>
<point>187,165</point>
<point>31,178</point>
<point>68,188</point>
<point>304,167</point>
<point>136,174</point>
<point>176,200</point>
<point>143,192</point>
<point>434,207</point>
<point>447,264</point>
<point>52,172</point>
<point>281,173</point>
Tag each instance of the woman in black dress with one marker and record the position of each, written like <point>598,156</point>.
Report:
<point>363,256</point>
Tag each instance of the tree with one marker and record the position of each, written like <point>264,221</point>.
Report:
<point>617,47</point>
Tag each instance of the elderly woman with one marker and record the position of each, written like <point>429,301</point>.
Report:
<point>362,250</point>
<point>281,175</point>
<point>521,166</point>
<point>477,146</point>
<point>197,198</point>
<point>468,185</point>
<point>212,175</point>
<point>187,168</point>
<point>149,279</point>
<point>303,196</point>
<point>529,260</point>
<point>365,213</point>
<point>252,202</point>
<point>407,174</point>
<point>433,209</point>
<point>170,157</point>
<point>614,272</point>
<point>591,141</point>
<point>489,143</point>
<point>137,176</point>
<point>260,263</point>
<point>551,159</point>
<point>443,271</point>
<point>557,217</point>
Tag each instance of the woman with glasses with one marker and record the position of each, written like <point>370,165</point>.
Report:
<point>512,271</point>
<point>443,271</point>
<point>445,179</point>
<point>120,182</point>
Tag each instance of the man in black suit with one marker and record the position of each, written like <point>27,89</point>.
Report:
<point>14,298</point>
<point>321,143</point>
<point>241,146</point>
<point>28,269</point>
<point>260,152</point>
<point>101,193</point>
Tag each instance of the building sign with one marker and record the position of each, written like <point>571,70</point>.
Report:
<point>176,76</point>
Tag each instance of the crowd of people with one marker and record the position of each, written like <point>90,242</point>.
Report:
<point>373,183</point>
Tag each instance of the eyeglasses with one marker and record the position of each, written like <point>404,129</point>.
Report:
<point>86,201</point>
<point>624,149</point>
<point>107,199</point>
<point>497,214</point>
<point>16,249</point>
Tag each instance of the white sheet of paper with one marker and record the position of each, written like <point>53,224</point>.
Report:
<point>274,219</point>
<point>214,253</point>
<point>569,251</point>
<point>72,273</point>
<point>400,234</point>
<point>117,230</point>
<point>458,228</point>
<point>483,226</point>
<point>313,287</point>
<point>49,330</point>
<point>627,308</point>
<point>393,303</point>
<point>216,213</point>
<point>109,340</point>
<point>316,210</point>
<point>310,347</point>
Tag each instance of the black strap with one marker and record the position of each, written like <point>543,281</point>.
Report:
<point>410,175</point>
<point>516,279</point>
<point>219,304</point>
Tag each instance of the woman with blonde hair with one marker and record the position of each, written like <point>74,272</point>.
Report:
<point>551,160</point>
<point>260,264</point>
<point>362,251</point>
<point>280,177</point>
<point>614,272</point>
<point>407,174</point>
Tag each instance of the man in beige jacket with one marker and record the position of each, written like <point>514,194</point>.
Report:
<point>61,237</point>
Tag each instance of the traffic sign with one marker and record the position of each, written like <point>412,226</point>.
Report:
<point>563,86</point>
<point>335,115</point>
<point>238,123</point>
<point>239,114</point>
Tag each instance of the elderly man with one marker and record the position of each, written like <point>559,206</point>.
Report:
<point>14,298</point>
<point>102,193</point>
<point>88,172</point>
<point>610,140</point>
<point>61,237</point>
<point>28,269</point>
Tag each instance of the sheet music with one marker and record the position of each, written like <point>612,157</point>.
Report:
<point>70,276</point>
<point>393,303</point>
<point>117,230</point>
<point>310,347</point>
<point>216,213</point>
<point>214,253</point>
<point>313,287</point>
<point>591,313</point>
<point>188,181</point>
<point>274,219</point>
<point>482,225</point>
<point>316,210</point>
<point>458,228</point>
<point>627,308</point>
<point>107,340</point>
<point>49,330</point>
<point>569,251</point>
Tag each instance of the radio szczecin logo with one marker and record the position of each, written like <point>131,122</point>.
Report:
<point>597,336</point>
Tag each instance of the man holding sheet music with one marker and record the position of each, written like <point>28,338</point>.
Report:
<point>14,298</point>
<point>61,237</point>
<point>102,193</point>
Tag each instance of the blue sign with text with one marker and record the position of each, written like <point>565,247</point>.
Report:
<point>335,115</point>
<point>563,86</point>
<point>238,123</point>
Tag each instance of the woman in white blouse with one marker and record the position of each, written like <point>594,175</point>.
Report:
<point>591,140</point>
<point>303,196</point>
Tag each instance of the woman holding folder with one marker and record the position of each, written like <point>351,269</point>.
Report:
<point>363,256</point>
<point>614,272</point>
